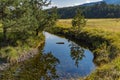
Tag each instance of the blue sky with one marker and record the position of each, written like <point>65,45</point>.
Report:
<point>65,3</point>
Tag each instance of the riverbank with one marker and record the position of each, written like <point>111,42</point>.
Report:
<point>20,53</point>
<point>104,43</point>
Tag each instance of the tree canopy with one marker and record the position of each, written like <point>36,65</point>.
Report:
<point>79,20</point>
<point>23,16</point>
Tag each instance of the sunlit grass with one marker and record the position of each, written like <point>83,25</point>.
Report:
<point>0,27</point>
<point>109,28</point>
<point>106,28</point>
<point>112,25</point>
<point>65,23</point>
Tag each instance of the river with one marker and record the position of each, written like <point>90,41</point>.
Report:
<point>60,59</point>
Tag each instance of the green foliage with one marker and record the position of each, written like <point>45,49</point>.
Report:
<point>52,18</point>
<point>10,53</point>
<point>79,20</point>
<point>108,71</point>
<point>101,54</point>
<point>21,26</point>
<point>23,16</point>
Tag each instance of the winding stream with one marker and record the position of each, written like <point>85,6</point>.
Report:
<point>56,62</point>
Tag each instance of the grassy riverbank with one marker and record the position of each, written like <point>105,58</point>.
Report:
<point>103,38</point>
<point>15,49</point>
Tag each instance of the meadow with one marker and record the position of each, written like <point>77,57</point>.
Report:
<point>103,35</point>
<point>112,25</point>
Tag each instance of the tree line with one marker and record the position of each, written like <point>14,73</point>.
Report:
<point>97,10</point>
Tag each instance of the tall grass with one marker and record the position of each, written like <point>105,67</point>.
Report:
<point>12,53</point>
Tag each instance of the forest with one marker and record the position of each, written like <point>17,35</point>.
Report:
<point>97,10</point>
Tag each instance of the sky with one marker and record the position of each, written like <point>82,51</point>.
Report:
<point>66,3</point>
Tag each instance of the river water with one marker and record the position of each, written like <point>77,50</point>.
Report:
<point>60,59</point>
<point>75,61</point>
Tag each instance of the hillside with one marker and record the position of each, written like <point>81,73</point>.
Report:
<point>92,10</point>
<point>112,1</point>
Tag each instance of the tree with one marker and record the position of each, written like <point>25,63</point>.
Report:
<point>52,17</point>
<point>15,16</point>
<point>38,14</point>
<point>6,9</point>
<point>23,16</point>
<point>79,20</point>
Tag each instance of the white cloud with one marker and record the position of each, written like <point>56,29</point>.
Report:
<point>87,1</point>
<point>66,3</point>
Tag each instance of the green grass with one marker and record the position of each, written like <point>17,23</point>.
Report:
<point>112,25</point>
<point>16,48</point>
<point>13,53</point>
<point>0,27</point>
<point>65,23</point>
<point>109,29</point>
<point>104,36</point>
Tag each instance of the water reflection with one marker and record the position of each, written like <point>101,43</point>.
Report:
<point>42,67</point>
<point>75,61</point>
<point>77,53</point>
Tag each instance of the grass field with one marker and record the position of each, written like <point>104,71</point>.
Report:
<point>109,28</point>
<point>96,30</point>
<point>112,25</point>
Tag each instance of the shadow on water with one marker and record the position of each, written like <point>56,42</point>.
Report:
<point>55,62</point>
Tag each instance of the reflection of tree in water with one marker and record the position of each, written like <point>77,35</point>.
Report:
<point>42,67</point>
<point>77,53</point>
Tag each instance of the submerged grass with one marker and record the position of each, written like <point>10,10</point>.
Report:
<point>103,37</point>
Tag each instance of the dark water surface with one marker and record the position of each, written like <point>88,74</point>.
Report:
<point>64,61</point>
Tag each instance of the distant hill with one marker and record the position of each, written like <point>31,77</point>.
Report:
<point>101,9</point>
<point>107,1</point>
<point>112,1</point>
<point>92,10</point>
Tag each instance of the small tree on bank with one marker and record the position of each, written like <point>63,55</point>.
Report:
<point>52,18</point>
<point>78,21</point>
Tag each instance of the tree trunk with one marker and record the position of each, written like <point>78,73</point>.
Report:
<point>37,31</point>
<point>5,33</point>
